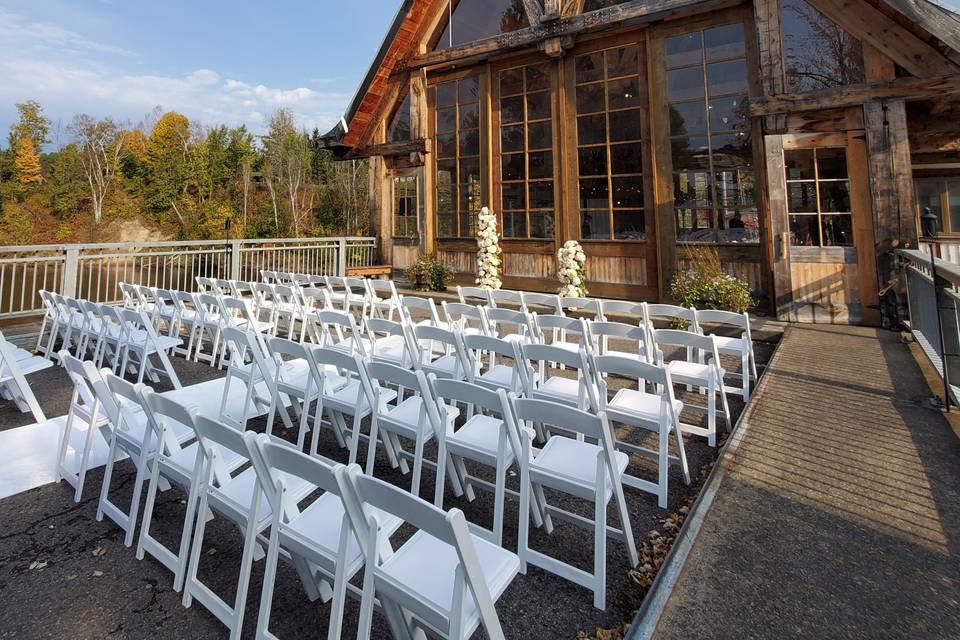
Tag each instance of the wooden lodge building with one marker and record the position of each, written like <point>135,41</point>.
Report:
<point>795,136</point>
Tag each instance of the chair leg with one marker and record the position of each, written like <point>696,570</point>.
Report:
<point>712,413</point>
<point>524,515</point>
<point>269,579</point>
<point>745,379</point>
<point>600,548</point>
<point>663,464</point>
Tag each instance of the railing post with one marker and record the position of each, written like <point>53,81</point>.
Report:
<point>235,259</point>
<point>341,257</point>
<point>71,267</point>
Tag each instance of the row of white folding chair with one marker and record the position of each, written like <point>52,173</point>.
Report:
<point>15,365</point>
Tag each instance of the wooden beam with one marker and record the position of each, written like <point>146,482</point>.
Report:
<point>392,149</point>
<point>633,12</point>
<point>533,11</point>
<point>853,95</point>
<point>551,11</point>
<point>766,18</point>
<point>868,24</point>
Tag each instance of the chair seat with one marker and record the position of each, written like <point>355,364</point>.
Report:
<point>479,439</point>
<point>405,418</point>
<point>729,345</point>
<point>517,337</point>
<point>502,376</point>
<point>184,460</point>
<point>345,398</point>
<point>135,424</point>
<point>444,365</point>
<point>691,372</point>
<point>28,366</point>
<point>239,493</point>
<point>574,461</point>
<point>630,402</point>
<point>404,570</point>
<point>560,388</point>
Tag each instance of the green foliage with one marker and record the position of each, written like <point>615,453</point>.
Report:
<point>31,123</point>
<point>427,273</point>
<point>68,186</point>
<point>704,285</point>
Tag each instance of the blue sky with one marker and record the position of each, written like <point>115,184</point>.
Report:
<point>213,60</point>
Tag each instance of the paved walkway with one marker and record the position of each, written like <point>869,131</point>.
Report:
<point>839,514</point>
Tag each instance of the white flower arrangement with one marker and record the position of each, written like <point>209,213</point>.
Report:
<point>571,270</point>
<point>489,252</point>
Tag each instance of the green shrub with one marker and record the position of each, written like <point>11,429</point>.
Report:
<point>704,285</point>
<point>428,274</point>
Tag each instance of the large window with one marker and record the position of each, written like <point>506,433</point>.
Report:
<point>470,20</point>
<point>818,197</point>
<point>609,149</point>
<point>405,206</point>
<point>942,196</point>
<point>458,177</point>
<point>398,129</point>
<point>526,152</point>
<point>713,179</point>
<point>819,54</point>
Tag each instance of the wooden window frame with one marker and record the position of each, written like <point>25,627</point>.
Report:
<point>497,152</point>
<point>433,81</point>
<point>640,38</point>
<point>415,214</point>
<point>819,214</point>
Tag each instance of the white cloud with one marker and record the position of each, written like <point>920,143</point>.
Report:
<point>69,74</point>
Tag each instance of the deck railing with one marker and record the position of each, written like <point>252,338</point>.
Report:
<point>933,305</point>
<point>92,271</point>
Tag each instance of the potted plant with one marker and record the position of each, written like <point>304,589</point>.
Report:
<point>703,284</point>
<point>427,273</point>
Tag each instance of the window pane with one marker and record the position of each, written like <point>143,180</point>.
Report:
<point>592,129</point>
<point>953,201</point>
<point>623,93</point>
<point>690,153</point>
<point>730,114</point>
<point>731,150</point>
<point>804,231</point>
<point>835,196</point>
<point>540,164</point>
<point>625,158</point>
<point>628,225</point>
<point>928,196</point>
<point>625,125</point>
<point>691,189</point>
<point>739,226</point>
<point>831,163</point>
<point>799,164</point>
<point>539,136</point>
<point>513,166</point>
<point>511,82</point>
<point>590,98</point>
<point>802,197</point>
<point>470,116</point>
<point>399,128</point>
<point>623,61</point>
<point>469,90</point>
<point>511,109</point>
<point>734,188</point>
<point>593,161</point>
<point>589,67</point>
<point>446,94</point>
<point>515,225</point>
<point>538,106</point>
<point>538,77</point>
<point>477,19</point>
<point>594,193</point>
<point>541,194</point>
<point>514,195</point>
<point>628,192</point>
<point>447,145</point>
<point>470,142</point>
<point>683,50</point>
<point>838,231</point>
<point>684,84</point>
<point>446,120</point>
<point>688,118</point>
<point>595,225</point>
<point>541,224</point>
<point>694,225</point>
<point>727,77</point>
<point>723,42</point>
<point>818,53</point>
<point>511,138</point>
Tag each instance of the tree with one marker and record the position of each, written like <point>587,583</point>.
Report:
<point>166,155</point>
<point>27,163</point>
<point>67,183</point>
<point>101,145</point>
<point>31,123</point>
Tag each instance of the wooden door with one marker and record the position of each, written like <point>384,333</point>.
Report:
<point>824,258</point>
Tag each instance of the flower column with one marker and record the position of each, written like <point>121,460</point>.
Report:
<point>571,270</point>
<point>488,254</point>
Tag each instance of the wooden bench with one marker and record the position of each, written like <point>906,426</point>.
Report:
<point>373,271</point>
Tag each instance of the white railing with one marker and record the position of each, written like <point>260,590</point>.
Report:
<point>933,301</point>
<point>92,271</point>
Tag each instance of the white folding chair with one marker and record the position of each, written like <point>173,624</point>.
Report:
<point>538,381</point>
<point>556,330</point>
<point>469,319</point>
<point>210,322</point>
<point>383,298</point>
<point>488,437</point>
<point>339,330</point>
<point>314,535</point>
<point>142,342</point>
<point>415,417</point>
<point>501,297</point>
<point>631,341</point>
<point>180,466</point>
<point>14,369</point>
<point>739,346</point>
<point>510,325</point>
<point>548,301</point>
<point>188,317</point>
<point>86,417</point>
<point>389,341</point>
<point>287,307</point>
<point>130,435</point>
<point>251,366</point>
<point>473,295</point>
<point>238,498</point>
<point>422,306</point>
<point>624,310</point>
<point>587,467</point>
<point>497,373</point>
<point>165,312</point>
<point>293,378</point>
<point>440,352</point>
<point>658,412</point>
<point>700,370</point>
<point>583,307</point>
<point>466,576</point>
<point>51,315</point>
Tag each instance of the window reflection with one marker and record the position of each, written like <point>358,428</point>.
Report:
<point>457,143</point>
<point>818,197</point>
<point>399,127</point>
<point>477,19</point>
<point>819,54</point>
<point>710,139</point>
